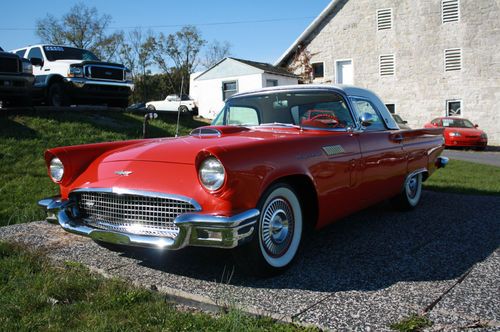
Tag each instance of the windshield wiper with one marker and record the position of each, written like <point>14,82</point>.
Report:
<point>279,124</point>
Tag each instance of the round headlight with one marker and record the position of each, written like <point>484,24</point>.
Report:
<point>211,173</point>
<point>56,169</point>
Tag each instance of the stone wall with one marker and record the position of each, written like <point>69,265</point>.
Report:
<point>418,38</point>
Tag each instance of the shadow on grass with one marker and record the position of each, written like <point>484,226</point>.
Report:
<point>129,124</point>
<point>15,130</point>
<point>371,250</point>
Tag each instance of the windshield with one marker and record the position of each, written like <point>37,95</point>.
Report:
<point>318,109</point>
<point>68,53</point>
<point>457,123</point>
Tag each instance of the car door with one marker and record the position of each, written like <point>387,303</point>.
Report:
<point>171,103</point>
<point>383,159</point>
<point>36,52</point>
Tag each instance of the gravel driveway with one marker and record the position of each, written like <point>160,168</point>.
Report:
<point>366,271</point>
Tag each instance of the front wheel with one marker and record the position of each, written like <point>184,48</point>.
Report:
<point>411,193</point>
<point>57,96</point>
<point>278,235</point>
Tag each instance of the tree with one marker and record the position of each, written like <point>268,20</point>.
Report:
<point>81,27</point>
<point>177,55</point>
<point>136,56</point>
<point>214,52</point>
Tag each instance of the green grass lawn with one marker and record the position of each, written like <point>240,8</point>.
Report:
<point>466,178</point>
<point>36,295</point>
<point>24,138</point>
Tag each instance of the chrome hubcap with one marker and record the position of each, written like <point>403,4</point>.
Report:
<point>277,227</point>
<point>412,187</point>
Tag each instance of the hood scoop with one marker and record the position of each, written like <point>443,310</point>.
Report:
<point>216,131</point>
<point>205,131</point>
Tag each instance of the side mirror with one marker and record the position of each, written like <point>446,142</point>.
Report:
<point>476,125</point>
<point>36,62</point>
<point>405,122</point>
<point>366,119</point>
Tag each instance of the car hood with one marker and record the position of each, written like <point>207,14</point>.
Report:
<point>69,62</point>
<point>183,150</point>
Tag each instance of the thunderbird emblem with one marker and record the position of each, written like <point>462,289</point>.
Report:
<point>123,173</point>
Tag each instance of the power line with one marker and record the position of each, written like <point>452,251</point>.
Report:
<point>182,25</point>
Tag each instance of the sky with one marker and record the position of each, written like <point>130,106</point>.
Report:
<point>258,30</point>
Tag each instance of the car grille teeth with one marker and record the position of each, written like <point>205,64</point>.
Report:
<point>133,214</point>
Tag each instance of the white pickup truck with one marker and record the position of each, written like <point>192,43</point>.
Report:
<point>67,75</point>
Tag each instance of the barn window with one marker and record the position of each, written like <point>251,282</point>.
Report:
<point>318,70</point>
<point>270,83</point>
<point>453,107</point>
<point>229,89</point>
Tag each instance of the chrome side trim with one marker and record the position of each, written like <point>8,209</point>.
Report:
<point>123,191</point>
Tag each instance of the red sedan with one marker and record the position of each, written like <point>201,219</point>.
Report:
<point>459,132</point>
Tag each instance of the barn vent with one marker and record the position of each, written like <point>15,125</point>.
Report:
<point>384,19</point>
<point>450,11</point>
<point>387,65</point>
<point>452,59</point>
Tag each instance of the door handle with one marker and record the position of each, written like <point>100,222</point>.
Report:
<point>397,138</point>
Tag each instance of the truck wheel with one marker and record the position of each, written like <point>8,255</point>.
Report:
<point>411,193</point>
<point>57,96</point>
<point>277,236</point>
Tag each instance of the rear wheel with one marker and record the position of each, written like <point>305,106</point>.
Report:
<point>151,108</point>
<point>278,234</point>
<point>183,109</point>
<point>411,193</point>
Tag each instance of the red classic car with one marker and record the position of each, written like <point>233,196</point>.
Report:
<point>460,132</point>
<point>274,163</point>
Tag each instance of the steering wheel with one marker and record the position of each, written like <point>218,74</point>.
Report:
<point>335,123</point>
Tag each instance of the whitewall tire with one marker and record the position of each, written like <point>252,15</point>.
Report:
<point>278,234</point>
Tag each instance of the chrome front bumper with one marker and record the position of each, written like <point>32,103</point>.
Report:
<point>82,82</point>
<point>195,229</point>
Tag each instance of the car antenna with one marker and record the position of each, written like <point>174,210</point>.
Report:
<point>179,109</point>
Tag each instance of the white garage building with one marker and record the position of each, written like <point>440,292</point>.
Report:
<point>229,76</point>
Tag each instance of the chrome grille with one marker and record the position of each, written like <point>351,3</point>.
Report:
<point>105,73</point>
<point>128,213</point>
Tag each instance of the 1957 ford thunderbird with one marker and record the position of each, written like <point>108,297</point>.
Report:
<point>274,163</point>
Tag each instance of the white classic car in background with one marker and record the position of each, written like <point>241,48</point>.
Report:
<point>173,103</point>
